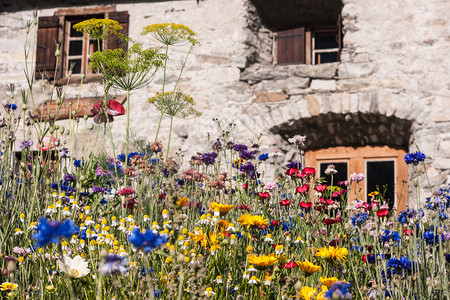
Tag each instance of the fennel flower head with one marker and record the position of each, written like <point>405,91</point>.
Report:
<point>171,34</point>
<point>98,29</point>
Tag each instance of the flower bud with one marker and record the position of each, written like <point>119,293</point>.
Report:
<point>24,107</point>
<point>85,117</point>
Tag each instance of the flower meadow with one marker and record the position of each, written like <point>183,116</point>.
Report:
<point>144,225</point>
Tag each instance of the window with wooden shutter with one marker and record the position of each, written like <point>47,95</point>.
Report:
<point>75,47</point>
<point>47,37</point>
<point>315,43</point>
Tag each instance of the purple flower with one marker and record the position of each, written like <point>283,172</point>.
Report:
<point>240,147</point>
<point>245,154</point>
<point>294,165</point>
<point>98,189</point>
<point>114,265</point>
<point>357,177</point>
<point>216,146</point>
<point>414,158</point>
<point>25,144</point>
<point>70,178</point>
<point>209,158</point>
<point>247,168</point>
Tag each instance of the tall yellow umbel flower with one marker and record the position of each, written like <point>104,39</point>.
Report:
<point>331,253</point>
<point>253,220</point>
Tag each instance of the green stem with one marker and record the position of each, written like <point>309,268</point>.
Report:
<point>170,135</point>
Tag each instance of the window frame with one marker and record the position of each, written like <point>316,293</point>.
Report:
<point>308,44</point>
<point>357,163</point>
<point>62,34</point>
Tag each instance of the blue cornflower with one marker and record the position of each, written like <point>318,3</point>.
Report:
<point>414,158</point>
<point>359,218</point>
<point>146,241</point>
<point>245,154</point>
<point>263,157</point>
<point>121,157</point>
<point>294,165</point>
<point>339,290</point>
<point>209,158</point>
<point>52,231</point>
<point>388,236</point>
<point>114,265</point>
<point>78,163</point>
<point>402,263</point>
<point>430,238</point>
<point>11,106</point>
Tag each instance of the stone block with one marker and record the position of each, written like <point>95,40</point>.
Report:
<point>313,105</point>
<point>355,70</point>
<point>322,71</point>
<point>354,103</point>
<point>262,97</point>
<point>323,85</point>
<point>257,74</point>
<point>345,102</point>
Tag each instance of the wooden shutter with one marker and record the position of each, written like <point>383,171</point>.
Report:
<point>47,35</point>
<point>291,46</point>
<point>123,18</point>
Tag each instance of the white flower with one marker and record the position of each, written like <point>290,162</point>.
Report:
<point>357,177</point>
<point>275,153</point>
<point>270,186</point>
<point>331,169</point>
<point>218,279</point>
<point>297,139</point>
<point>74,267</point>
<point>253,280</point>
<point>209,292</point>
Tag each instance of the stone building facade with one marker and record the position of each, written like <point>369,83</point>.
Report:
<point>389,89</point>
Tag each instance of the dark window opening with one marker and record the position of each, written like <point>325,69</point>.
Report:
<point>341,175</point>
<point>381,178</point>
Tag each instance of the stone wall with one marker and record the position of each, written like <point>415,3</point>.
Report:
<point>394,72</point>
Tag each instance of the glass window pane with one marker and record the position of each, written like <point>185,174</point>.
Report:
<point>381,176</point>
<point>77,65</point>
<point>75,48</point>
<point>341,175</point>
<point>73,32</point>
<point>325,40</point>
<point>322,58</point>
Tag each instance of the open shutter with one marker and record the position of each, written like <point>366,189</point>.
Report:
<point>47,35</point>
<point>291,46</point>
<point>123,18</point>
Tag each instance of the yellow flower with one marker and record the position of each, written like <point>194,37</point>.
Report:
<point>223,208</point>
<point>98,28</point>
<point>328,281</point>
<point>253,220</point>
<point>374,193</point>
<point>171,33</point>
<point>8,286</point>
<point>181,202</point>
<point>308,268</point>
<point>332,253</point>
<point>306,293</point>
<point>261,262</point>
<point>321,295</point>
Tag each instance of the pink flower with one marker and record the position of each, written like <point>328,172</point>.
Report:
<point>113,108</point>
<point>321,188</point>
<point>264,196</point>
<point>302,189</point>
<point>126,192</point>
<point>270,186</point>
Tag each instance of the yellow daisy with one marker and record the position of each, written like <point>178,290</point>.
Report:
<point>332,253</point>
<point>308,268</point>
<point>223,208</point>
<point>253,220</point>
<point>306,293</point>
<point>328,281</point>
<point>261,262</point>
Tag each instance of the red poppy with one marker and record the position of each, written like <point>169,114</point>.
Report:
<point>113,108</point>
<point>285,202</point>
<point>245,186</point>
<point>383,212</point>
<point>264,195</point>
<point>410,232</point>
<point>290,265</point>
<point>332,221</point>
<point>302,189</point>
<point>309,171</point>
<point>291,171</point>
<point>321,188</point>
<point>305,205</point>
<point>329,201</point>
<point>364,259</point>
<point>275,223</point>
